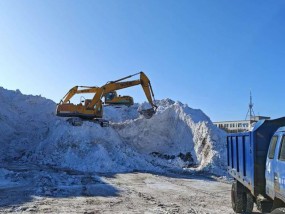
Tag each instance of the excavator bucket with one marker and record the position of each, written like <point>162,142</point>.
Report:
<point>147,113</point>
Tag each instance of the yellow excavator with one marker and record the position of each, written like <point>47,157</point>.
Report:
<point>92,109</point>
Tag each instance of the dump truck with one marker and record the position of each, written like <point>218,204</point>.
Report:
<point>256,161</point>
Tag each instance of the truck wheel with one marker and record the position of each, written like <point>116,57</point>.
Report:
<point>248,205</point>
<point>237,198</point>
<point>280,210</point>
<point>264,206</point>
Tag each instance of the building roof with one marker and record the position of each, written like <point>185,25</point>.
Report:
<point>232,121</point>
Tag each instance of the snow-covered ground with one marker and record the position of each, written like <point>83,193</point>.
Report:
<point>62,192</point>
<point>176,137</point>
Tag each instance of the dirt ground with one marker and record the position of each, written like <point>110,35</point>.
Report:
<point>38,190</point>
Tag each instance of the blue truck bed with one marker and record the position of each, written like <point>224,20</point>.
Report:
<point>247,153</point>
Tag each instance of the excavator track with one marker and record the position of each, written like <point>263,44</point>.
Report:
<point>76,121</point>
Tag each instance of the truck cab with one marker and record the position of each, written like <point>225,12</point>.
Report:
<point>275,166</point>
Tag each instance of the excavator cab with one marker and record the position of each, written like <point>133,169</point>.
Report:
<point>110,96</point>
<point>87,102</point>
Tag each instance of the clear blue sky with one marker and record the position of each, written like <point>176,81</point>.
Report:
<point>208,54</point>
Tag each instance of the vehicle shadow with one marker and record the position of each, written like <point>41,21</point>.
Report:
<point>170,174</point>
<point>25,184</point>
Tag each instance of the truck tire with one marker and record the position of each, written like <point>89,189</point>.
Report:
<point>242,199</point>
<point>249,203</point>
<point>237,197</point>
<point>280,210</point>
<point>264,206</point>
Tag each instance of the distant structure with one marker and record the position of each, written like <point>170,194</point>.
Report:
<point>250,111</point>
<point>235,126</point>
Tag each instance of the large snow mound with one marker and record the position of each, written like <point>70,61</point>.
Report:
<point>176,137</point>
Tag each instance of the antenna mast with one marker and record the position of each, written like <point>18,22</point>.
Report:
<point>250,111</point>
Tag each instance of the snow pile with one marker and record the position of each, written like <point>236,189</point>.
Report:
<point>89,147</point>
<point>122,113</point>
<point>177,131</point>
<point>4,180</point>
<point>175,137</point>
<point>24,121</point>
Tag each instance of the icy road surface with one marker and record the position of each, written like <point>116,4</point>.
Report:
<point>34,190</point>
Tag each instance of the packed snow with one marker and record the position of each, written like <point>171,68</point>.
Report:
<point>177,137</point>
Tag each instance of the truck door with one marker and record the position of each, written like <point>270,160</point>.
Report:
<point>279,174</point>
<point>270,167</point>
